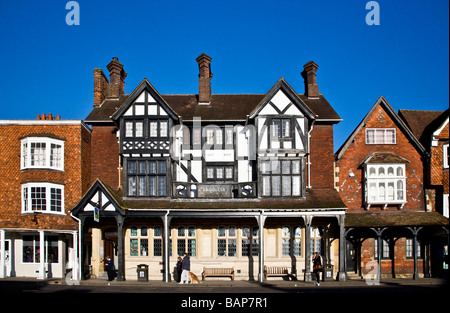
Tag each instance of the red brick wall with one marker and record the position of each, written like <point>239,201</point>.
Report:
<point>400,266</point>
<point>352,191</point>
<point>75,177</point>
<point>105,155</point>
<point>322,156</point>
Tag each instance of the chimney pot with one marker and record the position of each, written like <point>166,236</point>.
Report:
<point>309,76</point>
<point>204,78</point>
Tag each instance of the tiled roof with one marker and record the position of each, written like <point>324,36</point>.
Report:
<point>222,107</point>
<point>386,219</point>
<point>423,123</point>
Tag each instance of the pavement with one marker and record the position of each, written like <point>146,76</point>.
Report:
<point>243,284</point>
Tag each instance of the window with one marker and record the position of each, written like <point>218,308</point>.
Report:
<point>139,241</point>
<point>410,248</point>
<point>317,241</point>
<point>226,241</point>
<point>445,156</point>
<point>281,128</point>
<point>39,152</point>
<point>281,178</point>
<point>380,136</point>
<point>147,178</point>
<point>250,241</point>
<point>186,241</point>
<point>159,128</point>
<point>31,249</point>
<point>385,249</point>
<point>42,197</point>
<point>385,183</point>
<point>219,173</point>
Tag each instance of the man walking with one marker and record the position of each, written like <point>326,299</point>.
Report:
<point>186,266</point>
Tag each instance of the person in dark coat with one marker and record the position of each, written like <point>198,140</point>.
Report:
<point>179,269</point>
<point>110,268</point>
<point>186,265</point>
<point>317,267</point>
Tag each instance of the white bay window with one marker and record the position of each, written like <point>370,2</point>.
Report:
<point>42,197</point>
<point>385,184</point>
<point>42,153</point>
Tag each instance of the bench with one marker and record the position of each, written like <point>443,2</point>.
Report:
<point>278,271</point>
<point>218,272</point>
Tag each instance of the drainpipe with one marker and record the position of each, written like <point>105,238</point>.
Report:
<point>166,247</point>
<point>309,155</point>
<point>76,271</point>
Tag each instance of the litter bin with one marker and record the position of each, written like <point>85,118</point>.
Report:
<point>327,273</point>
<point>142,272</point>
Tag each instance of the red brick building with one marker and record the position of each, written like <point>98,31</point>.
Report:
<point>45,170</point>
<point>381,177</point>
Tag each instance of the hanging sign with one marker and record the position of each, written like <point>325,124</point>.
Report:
<point>96,214</point>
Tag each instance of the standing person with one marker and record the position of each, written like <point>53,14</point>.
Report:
<point>179,268</point>
<point>317,267</point>
<point>186,265</point>
<point>110,268</point>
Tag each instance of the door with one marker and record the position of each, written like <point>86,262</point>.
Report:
<point>351,257</point>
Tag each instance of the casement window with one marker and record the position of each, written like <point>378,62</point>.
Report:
<point>410,248</point>
<point>317,241</point>
<point>159,128</point>
<point>445,156</point>
<point>42,197</point>
<point>250,241</point>
<point>219,173</point>
<point>385,183</point>
<point>187,241</point>
<point>281,178</point>
<point>280,128</point>
<point>147,178</point>
<point>139,241</point>
<point>31,249</point>
<point>291,241</point>
<point>142,237</point>
<point>218,137</point>
<point>134,129</point>
<point>42,153</point>
<point>226,241</point>
<point>384,249</point>
<point>380,136</point>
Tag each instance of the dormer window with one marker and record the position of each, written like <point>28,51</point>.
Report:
<point>42,153</point>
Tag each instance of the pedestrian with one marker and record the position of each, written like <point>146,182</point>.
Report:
<point>110,268</point>
<point>186,267</point>
<point>179,269</point>
<point>317,267</point>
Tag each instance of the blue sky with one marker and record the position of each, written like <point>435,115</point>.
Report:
<point>47,66</point>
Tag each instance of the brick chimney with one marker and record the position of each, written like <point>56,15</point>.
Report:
<point>309,75</point>
<point>100,87</point>
<point>116,79</point>
<point>204,78</point>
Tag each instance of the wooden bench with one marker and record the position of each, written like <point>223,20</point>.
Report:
<point>278,271</point>
<point>218,272</point>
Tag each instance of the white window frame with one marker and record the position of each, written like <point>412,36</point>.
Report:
<point>385,137</point>
<point>48,163</point>
<point>377,175</point>
<point>445,155</point>
<point>27,200</point>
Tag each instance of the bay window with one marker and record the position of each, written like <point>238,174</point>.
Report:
<point>42,153</point>
<point>385,183</point>
<point>42,197</point>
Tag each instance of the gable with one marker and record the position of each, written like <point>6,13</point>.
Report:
<point>282,100</point>
<point>144,101</point>
<point>381,116</point>
<point>98,196</point>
